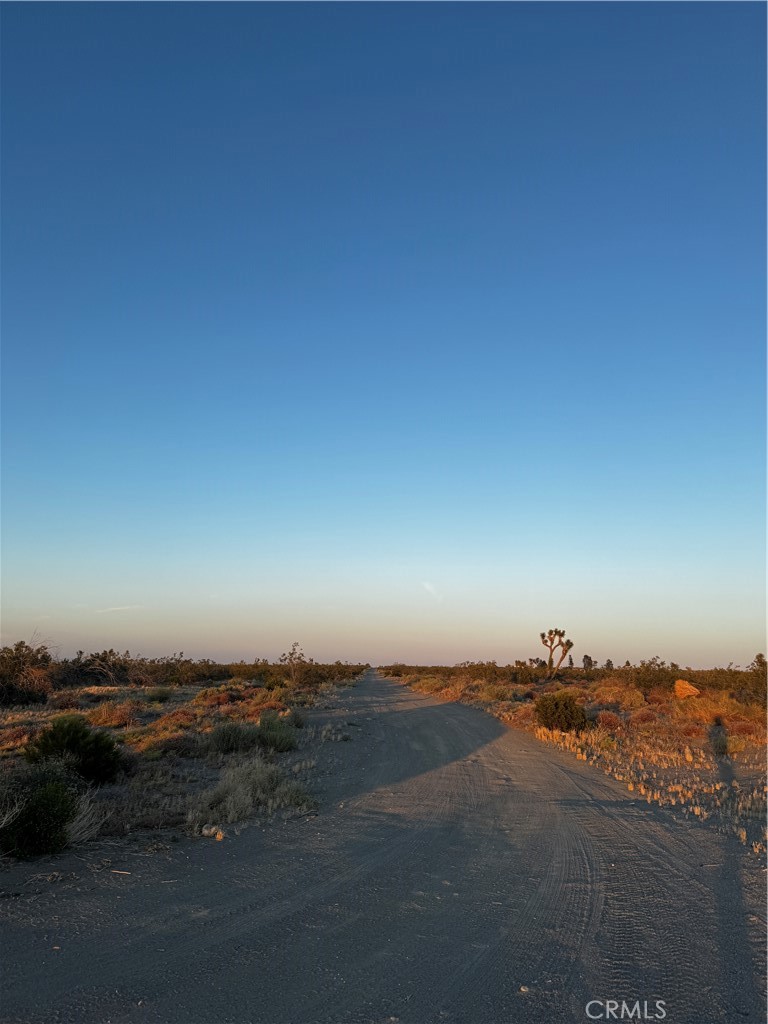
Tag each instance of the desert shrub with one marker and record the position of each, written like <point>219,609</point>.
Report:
<point>241,791</point>
<point>650,673</point>
<point>216,696</point>
<point>41,825</point>
<point>609,720</point>
<point>230,737</point>
<point>93,754</point>
<point>295,719</point>
<point>15,660</point>
<point>431,684</point>
<point>618,693</point>
<point>185,744</point>
<point>159,694</point>
<point>691,730</point>
<point>494,691</point>
<point>742,727</point>
<point>522,715</point>
<point>645,716</point>
<point>103,668</point>
<point>301,699</point>
<point>251,710</point>
<point>24,674</point>
<point>560,711</point>
<point>276,733</point>
<point>395,671</point>
<point>30,686</point>
<point>659,695</point>
<point>114,713</point>
<point>38,804</point>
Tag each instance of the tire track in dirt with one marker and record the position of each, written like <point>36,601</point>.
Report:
<point>454,863</point>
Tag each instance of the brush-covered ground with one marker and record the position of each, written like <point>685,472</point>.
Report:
<point>457,872</point>
<point>700,754</point>
<point>197,746</point>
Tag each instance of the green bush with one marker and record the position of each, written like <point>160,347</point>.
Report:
<point>92,753</point>
<point>37,803</point>
<point>560,711</point>
<point>159,694</point>
<point>230,737</point>
<point>276,733</point>
<point>41,825</point>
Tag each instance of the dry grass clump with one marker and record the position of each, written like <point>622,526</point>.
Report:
<point>115,714</point>
<point>89,820</point>
<point>521,716</point>
<point>176,731</point>
<point>250,710</point>
<point>493,691</point>
<point>643,717</point>
<point>14,737</point>
<point>744,727</point>
<point>242,790</point>
<point>230,693</point>
<point>614,693</point>
<point>98,694</point>
<point>65,700</point>
<point>156,795</point>
<point>181,718</point>
<point>153,742</point>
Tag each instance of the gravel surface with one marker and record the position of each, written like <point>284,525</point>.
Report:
<point>457,873</point>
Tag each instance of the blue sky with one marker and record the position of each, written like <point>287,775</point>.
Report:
<point>406,331</point>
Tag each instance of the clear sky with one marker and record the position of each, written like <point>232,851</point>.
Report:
<point>406,331</point>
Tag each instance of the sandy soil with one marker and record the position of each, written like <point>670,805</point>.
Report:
<point>457,873</point>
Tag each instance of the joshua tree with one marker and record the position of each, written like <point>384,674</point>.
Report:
<point>554,639</point>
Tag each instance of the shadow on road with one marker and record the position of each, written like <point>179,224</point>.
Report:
<point>737,956</point>
<point>407,742</point>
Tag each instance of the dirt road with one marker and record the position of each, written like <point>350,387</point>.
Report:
<point>457,873</point>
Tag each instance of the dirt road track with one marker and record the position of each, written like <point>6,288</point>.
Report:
<point>458,873</point>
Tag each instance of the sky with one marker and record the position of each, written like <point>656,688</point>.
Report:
<point>405,331</point>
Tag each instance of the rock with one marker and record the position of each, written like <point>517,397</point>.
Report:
<point>685,689</point>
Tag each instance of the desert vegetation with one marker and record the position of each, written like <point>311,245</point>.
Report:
<point>107,743</point>
<point>691,740</point>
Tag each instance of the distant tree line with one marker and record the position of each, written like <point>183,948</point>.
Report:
<point>29,671</point>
